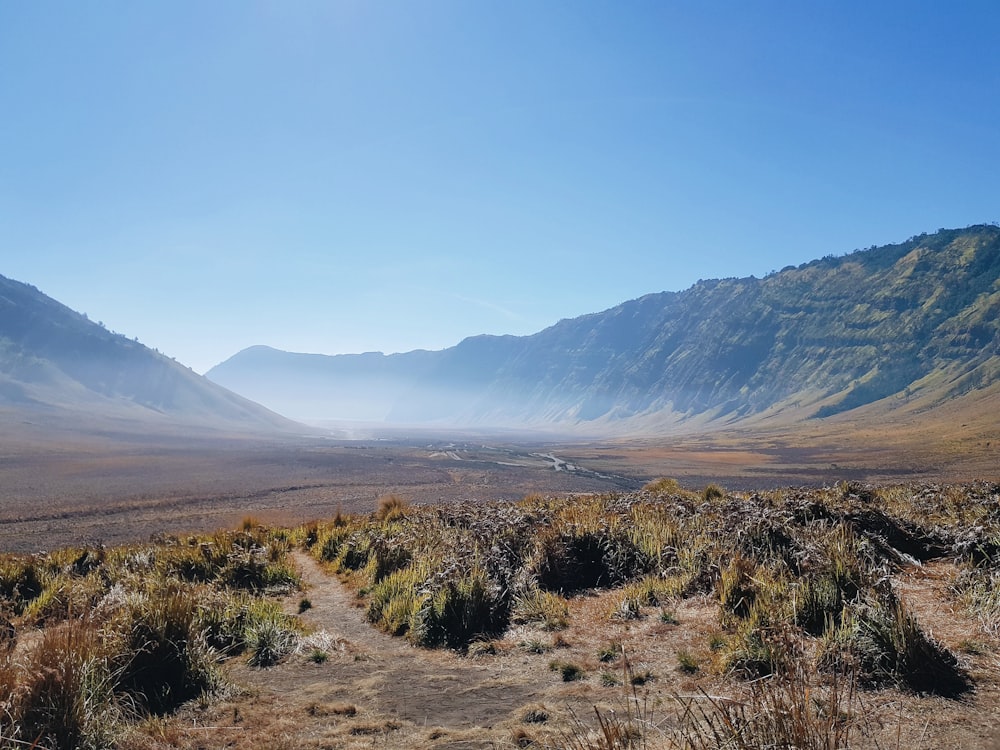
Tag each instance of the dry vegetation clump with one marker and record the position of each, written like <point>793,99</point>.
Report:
<point>545,608</point>
<point>391,508</point>
<point>253,558</point>
<point>794,572</point>
<point>787,710</point>
<point>881,643</point>
<point>979,588</point>
<point>132,631</point>
<point>795,590</point>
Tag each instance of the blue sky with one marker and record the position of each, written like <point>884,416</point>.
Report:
<point>347,176</point>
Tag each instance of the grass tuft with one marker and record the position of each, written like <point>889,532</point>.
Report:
<point>391,508</point>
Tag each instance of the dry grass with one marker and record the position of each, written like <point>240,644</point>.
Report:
<point>133,631</point>
<point>391,508</point>
<point>785,603</point>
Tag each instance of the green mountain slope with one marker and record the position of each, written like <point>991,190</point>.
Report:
<point>912,320</point>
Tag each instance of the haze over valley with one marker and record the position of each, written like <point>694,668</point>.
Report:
<point>877,364</point>
<point>905,324</point>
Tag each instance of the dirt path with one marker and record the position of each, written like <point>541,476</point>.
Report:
<point>385,675</point>
<point>376,691</point>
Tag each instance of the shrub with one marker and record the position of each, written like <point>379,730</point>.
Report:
<point>650,591</point>
<point>395,600</point>
<point>712,492</point>
<point>979,589</point>
<point>736,589</point>
<point>391,508</point>
<point>67,699</point>
<point>663,486</point>
<point>253,569</point>
<point>254,559</point>
<point>329,543</point>
<point>757,649</point>
<point>461,611</point>
<point>687,662</point>
<point>567,670</point>
<point>569,562</point>
<point>696,568</point>
<point>222,619</point>
<point>308,534</point>
<point>166,658</point>
<point>20,581</point>
<point>852,564</point>
<point>610,652</point>
<point>65,597</point>
<point>656,531</point>
<point>195,562</point>
<point>385,557</point>
<point>535,605</point>
<point>577,558</point>
<point>269,640</point>
<point>349,554</point>
<point>819,603</point>
<point>883,644</point>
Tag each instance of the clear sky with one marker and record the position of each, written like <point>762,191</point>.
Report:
<point>351,175</point>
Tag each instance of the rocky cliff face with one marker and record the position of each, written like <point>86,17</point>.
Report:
<point>825,337</point>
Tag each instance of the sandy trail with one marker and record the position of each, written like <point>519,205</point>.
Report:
<point>378,691</point>
<point>385,675</point>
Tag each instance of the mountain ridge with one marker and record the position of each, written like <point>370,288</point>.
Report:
<point>57,364</point>
<point>823,338</point>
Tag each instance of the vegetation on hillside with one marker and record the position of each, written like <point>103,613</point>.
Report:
<point>919,319</point>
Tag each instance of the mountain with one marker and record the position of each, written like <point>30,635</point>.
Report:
<point>914,322</point>
<point>58,366</point>
<point>364,387</point>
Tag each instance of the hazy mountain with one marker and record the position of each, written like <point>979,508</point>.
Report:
<point>918,320</point>
<point>56,364</point>
<point>314,386</point>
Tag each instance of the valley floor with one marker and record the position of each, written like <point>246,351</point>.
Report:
<point>117,489</point>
